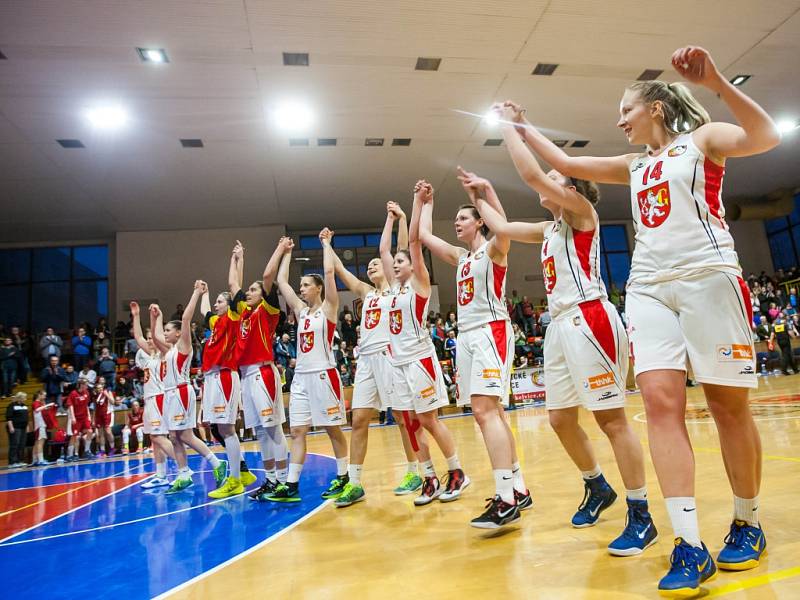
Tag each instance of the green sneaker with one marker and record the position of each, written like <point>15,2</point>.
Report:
<point>285,492</point>
<point>336,487</point>
<point>410,484</point>
<point>221,472</point>
<point>350,495</point>
<point>180,484</point>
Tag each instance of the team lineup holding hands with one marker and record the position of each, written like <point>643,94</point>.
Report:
<point>684,259</point>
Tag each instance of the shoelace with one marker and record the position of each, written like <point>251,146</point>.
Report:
<point>452,481</point>
<point>428,489</point>
<point>682,558</point>
<point>736,536</point>
<point>632,518</point>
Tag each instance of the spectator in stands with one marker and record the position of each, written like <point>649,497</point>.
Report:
<point>449,382</point>
<point>450,344</point>
<point>342,356</point>
<point>124,390</point>
<point>515,299</point>
<point>100,342</point>
<point>348,329</point>
<point>81,348</point>
<point>70,379</point>
<point>88,375</point>
<point>17,428</point>
<point>50,345</point>
<point>782,333</point>
<point>544,319</point>
<point>788,310</point>
<point>451,324</point>
<point>437,335</point>
<point>132,373</point>
<point>527,316</point>
<point>197,344</point>
<point>290,328</point>
<point>289,374</point>
<point>344,375</point>
<point>8,365</point>
<point>52,377</point>
<point>793,297</point>
<point>520,340</point>
<point>23,344</point>
<point>763,331</point>
<point>107,367</point>
<point>614,295</point>
<point>134,422</point>
<point>102,327</point>
<point>772,312</point>
<point>283,350</point>
<point>178,314</point>
<point>131,347</point>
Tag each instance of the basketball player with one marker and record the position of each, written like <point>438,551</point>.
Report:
<point>44,418</point>
<point>148,359</point>
<point>134,422</point>
<point>174,342</point>
<point>418,381</point>
<point>316,392</point>
<point>485,345</point>
<point>373,389</point>
<point>104,402</point>
<point>79,418</point>
<point>686,296</point>
<point>258,312</point>
<point>586,348</point>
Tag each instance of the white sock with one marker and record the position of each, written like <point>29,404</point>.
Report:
<point>212,458</point>
<point>355,473</point>
<point>683,515</point>
<point>341,467</point>
<point>282,474</point>
<point>453,463</point>
<point>746,509</point>
<point>161,470</point>
<point>294,473</point>
<point>126,437</point>
<point>265,444</point>
<point>427,469</point>
<point>638,494</point>
<point>593,474</point>
<point>413,467</point>
<point>87,445</point>
<point>70,451</point>
<point>271,475</point>
<point>234,451</point>
<point>41,456</point>
<point>140,437</point>
<point>504,485</point>
<point>519,480</point>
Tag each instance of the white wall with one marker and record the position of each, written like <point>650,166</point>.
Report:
<point>163,265</point>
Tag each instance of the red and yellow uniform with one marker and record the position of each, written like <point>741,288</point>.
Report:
<point>221,386</point>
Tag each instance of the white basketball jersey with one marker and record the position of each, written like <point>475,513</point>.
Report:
<point>154,370</point>
<point>375,321</point>
<point>678,215</point>
<point>481,290</point>
<point>571,266</point>
<point>409,337</point>
<point>178,368</point>
<point>314,342</point>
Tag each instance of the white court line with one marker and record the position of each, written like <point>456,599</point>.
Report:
<point>46,485</point>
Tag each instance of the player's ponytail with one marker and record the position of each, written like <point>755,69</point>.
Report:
<point>681,110</point>
<point>587,189</point>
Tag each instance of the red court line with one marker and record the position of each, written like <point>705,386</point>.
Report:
<point>23,509</point>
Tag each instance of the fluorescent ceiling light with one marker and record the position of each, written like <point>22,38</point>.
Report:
<point>107,117</point>
<point>786,125</point>
<point>293,117</point>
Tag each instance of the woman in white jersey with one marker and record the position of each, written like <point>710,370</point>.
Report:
<point>316,394</point>
<point>684,262</point>
<point>485,344</point>
<point>586,348</point>
<point>148,360</point>
<point>373,389</point>
<point>419,385</point>
<point>174,343</point>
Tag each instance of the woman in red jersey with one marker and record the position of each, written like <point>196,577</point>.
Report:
<point>684,261</point>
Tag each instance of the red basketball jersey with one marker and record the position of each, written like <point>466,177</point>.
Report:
<point>221,348</point>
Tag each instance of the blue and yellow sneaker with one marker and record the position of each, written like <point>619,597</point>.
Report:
<point>639,533</point>
<point>598,496</point>
<point>744,547</point>
<point>689,567</point>
<point>336,487</point>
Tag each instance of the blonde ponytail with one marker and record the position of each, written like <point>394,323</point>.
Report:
<point>681,110</point>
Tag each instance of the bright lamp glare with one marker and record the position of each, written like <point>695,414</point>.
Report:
<point>491,118</point>
<point>786,125</point>
<point>107,117</point>
<point>292,117</point>
<point>155,56</point>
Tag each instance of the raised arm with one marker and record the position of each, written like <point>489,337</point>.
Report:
<point>205,300</point>
<point>402,226</point>
<point>353,283</point>
<point>529,233</point>
<point>157,329</point>
<point>490,196</point>
<point>271,270</point>
<point>424,229</point>
<point>385,248</point>
<point>423,194</point>
<point>138,335</point>
<point>601,169</point>
<point>185,341</point>
<point>286,290</point>
<point>330,306</point>
<point>236,269</point>
<point>756,132</point>
<point>480,190</point>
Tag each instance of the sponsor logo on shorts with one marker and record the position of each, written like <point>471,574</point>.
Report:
<point>179,418</point>
<point>599,381</point>
<point>731,352</point>
<point>155,423</point>
<point>428,392</point>
<point>491,374</point>
<point>266,412</point>
<point>333,410</point>
<point>219,409</point>
<point>608,395</point>
<point>676,151</point>
<point>748,370</point>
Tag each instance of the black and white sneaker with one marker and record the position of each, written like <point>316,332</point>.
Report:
<point>498,514</point>
<point>266,488</point>
<point>524,501</point>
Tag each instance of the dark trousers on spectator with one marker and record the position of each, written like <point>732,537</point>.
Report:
<point>529,325</point>
<point>9,378</point>
<point>22,369</point>
<point>111,380</point>
<point>16,445</point>
<point>80,361</point>
<point>56,398</point>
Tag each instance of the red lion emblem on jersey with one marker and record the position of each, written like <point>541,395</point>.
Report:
<point>306,341</point>
<point>466,291</point>
<point>396,321</point>
<point>372,318</point>
<point>244,328</point>
<point>549,272</point>
<point>654,204</point>
<point>146,375</point>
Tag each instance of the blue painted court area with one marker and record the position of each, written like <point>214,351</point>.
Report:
<point>138,543</point>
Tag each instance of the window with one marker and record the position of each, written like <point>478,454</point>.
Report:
<point>615,256</point>
<point>57,287</point>
<point>783,235</point>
